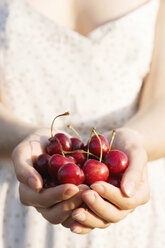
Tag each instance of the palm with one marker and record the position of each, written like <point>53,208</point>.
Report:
<point>35,144</point>
<point>125,140</point>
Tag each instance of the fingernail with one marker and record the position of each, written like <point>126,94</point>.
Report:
<point>76,229</point>
<point>34,184</point>
<point>90,196</point>
<point>82,187</point>
<point>71,191</point>
<point>129,188</point>
<point>80,216</point>
<point>97,187</point>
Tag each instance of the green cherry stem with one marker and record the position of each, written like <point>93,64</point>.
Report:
<point>92,132</point>
<point>59,143</point>
<point>112,139</point>
<point>81,151</point>
<point>101,147</point>
<point>73,130</point>
<point>66,113</point>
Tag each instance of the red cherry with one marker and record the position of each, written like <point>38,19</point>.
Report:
<point>114,181</point>
<point>70,173</point>
<point>50,183</point>
<point>94,145</point>
<point>53,147</point>
<point>95,171</point>
<point>117,161</point>
<point>77,144</point>
<point>85,147</point>
<point>56,162</point>
<point>79,157</point>
<point>41,164</point>
<point>82,176</point>
<point>71,159</point>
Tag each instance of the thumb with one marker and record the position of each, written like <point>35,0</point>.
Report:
<point>134,173</point>
<point>25,172</point>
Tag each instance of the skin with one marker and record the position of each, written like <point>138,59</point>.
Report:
<point>83,16</point>
<point>79,208</point>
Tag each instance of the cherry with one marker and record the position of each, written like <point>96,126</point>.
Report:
<point>41,164</point>
<point>56,162</point>
<point>70,173</point>
<point>94,145</point>
<point>76,144</point>
<point>68,155</point>
<point>79,157</point>
<point>95,171</point>
<point>85,147</point>
<point>117,161</point>
<point>71,159</point>
<point>51,183</point>
<point>60,142</point>
<point>82,176</point>
<point>115,181</point>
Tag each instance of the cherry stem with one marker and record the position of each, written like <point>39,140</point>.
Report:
<point>71,128</point>
<point>59,143</point>
<point>101,147</point>
<point>112,139</point>
<point>92,132</point>
<point>81,151</point>
<point>66,113</point>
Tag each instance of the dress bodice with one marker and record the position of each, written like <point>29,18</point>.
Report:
<point>47,69</point>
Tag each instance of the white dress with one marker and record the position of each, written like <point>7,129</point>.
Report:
<point>46,69</point>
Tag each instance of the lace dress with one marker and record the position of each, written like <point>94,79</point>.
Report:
<point>46,69</point>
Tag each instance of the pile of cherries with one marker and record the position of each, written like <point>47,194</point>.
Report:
<point>68,160</point>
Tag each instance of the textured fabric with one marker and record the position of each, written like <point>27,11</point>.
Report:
<point>47,69</point>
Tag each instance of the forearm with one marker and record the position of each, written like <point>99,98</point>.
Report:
<point>12,131</point>
<point>149,122</point>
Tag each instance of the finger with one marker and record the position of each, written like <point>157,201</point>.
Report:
<point>23,164</point>
<point>89,219</point>
<point>60,212</point>
<point>133,174</point>
<point>115,196</point>
<point>68,222</point>
<point>105,210</point>
<point>47,198</point>
<point>80,229</point>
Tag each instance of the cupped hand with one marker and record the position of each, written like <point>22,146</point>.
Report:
<point>108,204</point>
<point>55,204</point>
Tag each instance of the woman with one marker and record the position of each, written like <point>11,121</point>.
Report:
<point>93,59</point>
